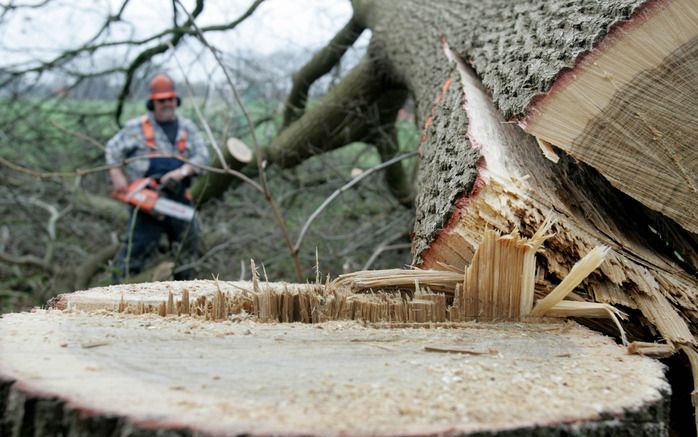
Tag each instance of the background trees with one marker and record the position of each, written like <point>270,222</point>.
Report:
<point>60,226</point>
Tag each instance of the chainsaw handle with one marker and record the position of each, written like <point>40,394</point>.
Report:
<point>171,185</point>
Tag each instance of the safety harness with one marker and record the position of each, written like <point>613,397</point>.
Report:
<point>149,134</point>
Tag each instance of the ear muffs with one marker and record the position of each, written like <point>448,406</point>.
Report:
<point>151,106</point>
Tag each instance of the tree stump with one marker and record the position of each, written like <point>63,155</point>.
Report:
<point>89,369</point>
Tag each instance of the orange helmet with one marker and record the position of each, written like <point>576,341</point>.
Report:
<point>162,87</point>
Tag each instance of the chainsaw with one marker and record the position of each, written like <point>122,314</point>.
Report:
<point>146,194</point>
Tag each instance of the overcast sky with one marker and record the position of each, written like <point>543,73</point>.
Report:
<point>276,25</point>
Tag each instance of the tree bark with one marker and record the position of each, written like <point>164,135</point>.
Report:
<point>323,61</point>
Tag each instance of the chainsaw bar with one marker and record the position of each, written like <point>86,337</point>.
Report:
<point>174,209</point>
<point>149,200</point>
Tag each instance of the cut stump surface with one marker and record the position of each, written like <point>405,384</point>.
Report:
<point>121,372</point>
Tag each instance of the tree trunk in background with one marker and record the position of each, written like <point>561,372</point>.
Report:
<point>354,110</point>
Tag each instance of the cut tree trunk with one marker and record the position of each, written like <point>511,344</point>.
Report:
<point>480,171</point>
<point>628,108</point>
<point>517,187</point>
<point>104,365</point>
<point>613,83</point>
<point>610,90</point>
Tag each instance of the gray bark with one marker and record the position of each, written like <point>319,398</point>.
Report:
<point>321,64</point>
<point>517,48</point>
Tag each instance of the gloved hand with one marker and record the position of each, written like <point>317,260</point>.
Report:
<point>177,174</point>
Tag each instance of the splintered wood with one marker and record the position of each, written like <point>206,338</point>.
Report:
<point>498,285</point>
<point>435,280</point>
<point>278,302</point>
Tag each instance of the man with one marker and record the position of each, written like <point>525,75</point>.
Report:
<point>161,142</point>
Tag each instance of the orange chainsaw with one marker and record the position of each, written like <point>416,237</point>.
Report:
<point>146,194</point>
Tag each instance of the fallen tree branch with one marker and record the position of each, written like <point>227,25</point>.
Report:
<point>79,135</point>
<point>345,187</point>
<point>27,260</point>
<point>87,270</point>
<point>321,63</point>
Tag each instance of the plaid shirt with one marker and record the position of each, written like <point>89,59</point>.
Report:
<point>130,142</point>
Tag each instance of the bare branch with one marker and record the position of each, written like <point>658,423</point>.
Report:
<point>101,168</point>
<point>344,188</point>
<point>53,213</point>
<point>92,47</point>
<point>150,52</point>
<point>318,66</point>
<point>27,260</point>
<point>234,23</point>
<point>281,223</point>
<point>385,246</point>
<point>79,135</point>
<point>212,139</point>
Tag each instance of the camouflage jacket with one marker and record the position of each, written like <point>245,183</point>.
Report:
<point>130,142</point>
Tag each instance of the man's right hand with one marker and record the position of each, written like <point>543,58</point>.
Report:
<point>118,180</point>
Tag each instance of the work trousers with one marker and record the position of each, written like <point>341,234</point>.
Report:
<point>142,239</point>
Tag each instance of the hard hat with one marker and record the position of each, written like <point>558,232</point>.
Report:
<point>162,87</point>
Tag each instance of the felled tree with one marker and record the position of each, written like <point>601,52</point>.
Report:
<point>475,69</point>
<point>607,91</point>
